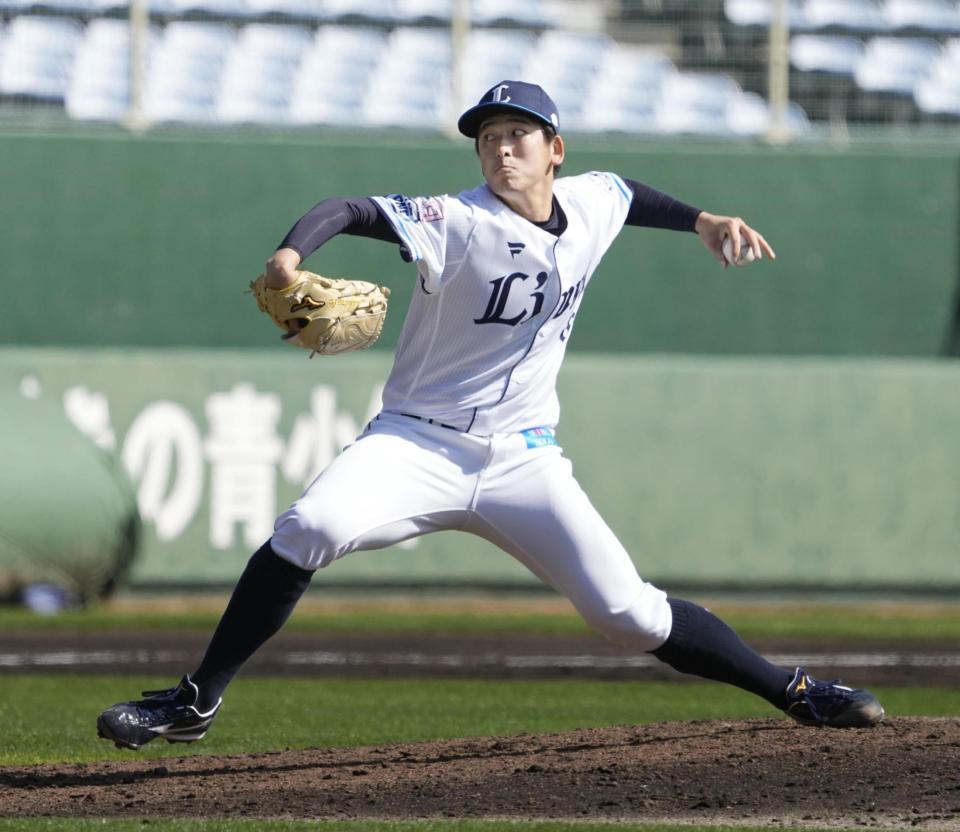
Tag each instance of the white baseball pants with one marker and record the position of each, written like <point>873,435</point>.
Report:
<point>404,477</point>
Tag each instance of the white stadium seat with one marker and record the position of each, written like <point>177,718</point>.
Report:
<point>937,99</point>
<point>834,54</point>
<point>273,41</point>
<point>421,11</point>
<point>935,16</point>
<point>258,73</point>
<point>623,94</point>
<point>301,9</point>
<point>533,13</point>
<point>329,84</point>
<point>409,85</point>
<point>100,83</point>
<point>385,11</point>
<point>184,75</point>
<point>218,8</point>
<point>760,13</point>
<point>694,102</point>
<point>855,15</point>
<point>939,92</point>
<point>895,65</point>
<point>493,55</point>
<point>749,115</point>
<point>82,7</point>
<point>36,56</point>
<point>565,63</point>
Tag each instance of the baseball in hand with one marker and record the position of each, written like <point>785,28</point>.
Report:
<point>747,254</point>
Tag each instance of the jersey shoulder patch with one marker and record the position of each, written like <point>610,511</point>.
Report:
<point>417,209</point>
<point>431,209</point>
<point>404,206</point>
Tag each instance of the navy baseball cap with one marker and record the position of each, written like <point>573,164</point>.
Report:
<point>510,96</point>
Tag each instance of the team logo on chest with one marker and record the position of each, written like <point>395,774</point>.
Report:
<point>527,293</point>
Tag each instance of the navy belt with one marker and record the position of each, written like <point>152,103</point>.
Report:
<point>430,421</point>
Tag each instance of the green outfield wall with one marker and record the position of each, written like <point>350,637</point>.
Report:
<point>714,471</point>
<point>112,239</point>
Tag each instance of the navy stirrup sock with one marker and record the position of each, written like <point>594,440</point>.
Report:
<point>262,601</point>
<point>703,645</point>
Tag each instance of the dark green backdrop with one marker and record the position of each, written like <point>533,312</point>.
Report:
<point>114,239</point>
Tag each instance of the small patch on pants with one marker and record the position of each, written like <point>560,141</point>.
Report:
<point>539,437</point>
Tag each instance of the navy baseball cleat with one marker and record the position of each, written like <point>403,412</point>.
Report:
<point>171,714</point>
<point>812,702</point>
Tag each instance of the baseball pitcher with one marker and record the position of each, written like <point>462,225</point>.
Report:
<point>466,439</point>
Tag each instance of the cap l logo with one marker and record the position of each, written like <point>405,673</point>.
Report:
<point>498,96</point>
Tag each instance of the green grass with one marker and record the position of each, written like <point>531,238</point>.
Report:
<point>360,621</point>
<point>272,714</point>
<point>868,621</point>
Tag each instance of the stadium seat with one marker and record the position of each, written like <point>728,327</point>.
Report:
<point>852,15</point>
<point>313,10</point>
<point>531,13</point>
<point>378,11</point>
<point>198,39</point>
<point>80,7</point>
<point>759,13</point>
<point>895,65</point>
<point>273,41</point>
<point>695,102</point>
<point>937,99</point>
<point>217,8</point>
<point>623,94</point>
<point>939,92</point>
<point>632,66</point>
<point>36,56</point>
<point>565,63</point>
<point>749,115</point>
<point>583,49</point>
<point>934,16</point>
<point>423,11</point>
<point>492,56</point>
<point>184,75</point>
<point>409,85</point>
<point>834,54</point>
<point>100,82</point>
<point>635,116</point>
<point>258,73</point>
<point>748,12</point>
<point>383,107</point>
<point>330,83</point>
<point>350,44</point>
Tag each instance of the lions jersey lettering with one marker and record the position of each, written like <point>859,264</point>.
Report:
<point>501,295</point>
<point>482,344</point>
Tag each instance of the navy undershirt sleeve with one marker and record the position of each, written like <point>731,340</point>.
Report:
<point>340,215</point>
<point>653,209</point>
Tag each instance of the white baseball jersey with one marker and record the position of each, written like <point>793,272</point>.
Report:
<point>480,350</point>
<point>488,325</point>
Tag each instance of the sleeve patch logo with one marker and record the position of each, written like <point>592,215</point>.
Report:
<point>405,206</point>
<point>431,209</point>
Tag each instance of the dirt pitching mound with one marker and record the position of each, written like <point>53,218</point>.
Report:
<point>903,773</point>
